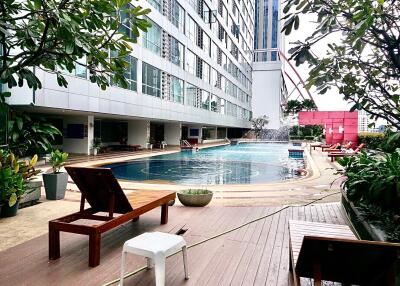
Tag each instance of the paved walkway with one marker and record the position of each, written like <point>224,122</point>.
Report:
<point>32,221</point>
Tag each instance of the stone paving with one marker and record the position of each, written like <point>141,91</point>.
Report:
<point>32,221</point>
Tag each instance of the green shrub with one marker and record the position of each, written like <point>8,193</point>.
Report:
<point>295,137</point>
<point>373,179</point>
<point>309,137</point>
<point>57,160</point>
<point>387,142</point>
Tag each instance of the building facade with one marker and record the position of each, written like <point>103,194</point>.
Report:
<point>189,77</point>
<point>268,82</point>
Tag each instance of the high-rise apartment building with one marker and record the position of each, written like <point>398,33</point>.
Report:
<point>268,82</point>
<point>189,77</point>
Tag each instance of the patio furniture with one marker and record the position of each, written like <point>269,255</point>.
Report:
<point>334,147</point>
<point>155,246</point>
<point>334,155</point>
<point>103,193</point>
<point>331,252</point>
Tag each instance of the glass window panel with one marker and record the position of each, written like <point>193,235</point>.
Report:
<point>190,62</point>
<point>176,89</point>
<point>152,38</point>
<point>151,80</point>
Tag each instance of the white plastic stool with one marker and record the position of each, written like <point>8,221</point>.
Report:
<point>155,246</point>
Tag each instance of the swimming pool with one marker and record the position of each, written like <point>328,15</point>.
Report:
<point>246,163</point>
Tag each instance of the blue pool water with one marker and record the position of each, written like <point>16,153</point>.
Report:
<point>240,164</point>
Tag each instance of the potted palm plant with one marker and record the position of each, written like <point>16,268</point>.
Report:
<point>195,197</point>
<point>96,144</point>
<point>14,177</point>
<point>55,183</point>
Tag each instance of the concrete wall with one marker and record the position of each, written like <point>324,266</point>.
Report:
<point>172,133</point>
<point>138,132</point>
<point>267,92</point>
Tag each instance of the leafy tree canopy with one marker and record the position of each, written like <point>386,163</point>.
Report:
<point>55,35</point>
<point>363,59</point>
<point>295,106</point>
<point>257,124</point>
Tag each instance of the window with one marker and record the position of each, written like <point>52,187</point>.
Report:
<point>190,62</point>
<point>176,89</point>
<point>80,69</point>
<point>151,80</point>
<point>152,38</point>
<point>192,95</point>
<point>206,72</point>
<point>206,43</point>
<point>192,30</point>
<point>178,16</point>
<point>130,73</point>
<point>177,52</point>
<point>126,24</point>
<point>205,100</point>
<point>214,51</point>
<point>222,106</point>
<point>156,4</point>
<point>214,77</point>
<point>214,103</point>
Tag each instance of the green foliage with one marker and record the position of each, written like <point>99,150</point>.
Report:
<point>363,58</point>
<point>30,134</point>
<point>195,192</point>
<point>295,106</point>
<point>373,180</point>
<point>386,142</point>
<point>57,160</point>
<point>14,176</point>
<point>257,124</point>
<point>309,132</point>
<point>56,35</point>
<point>96,144</point>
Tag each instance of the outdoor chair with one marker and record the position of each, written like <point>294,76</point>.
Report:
<point>341,154</point>
<point>331,252</point>
<point>103,193</point>
<point>334,147</point>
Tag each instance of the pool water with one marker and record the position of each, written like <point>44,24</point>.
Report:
<point>246,163</point>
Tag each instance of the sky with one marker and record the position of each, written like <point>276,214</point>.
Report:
<point>330,101</point>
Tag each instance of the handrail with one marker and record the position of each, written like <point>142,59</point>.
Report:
<point>185,143</point>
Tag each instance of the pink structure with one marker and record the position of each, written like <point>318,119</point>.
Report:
<point>339,126</point>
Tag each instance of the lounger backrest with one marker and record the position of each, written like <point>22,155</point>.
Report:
<point>98,185</point>
<point>348,261</point>
<point>359,147</point>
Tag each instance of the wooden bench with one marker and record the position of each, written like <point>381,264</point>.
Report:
<point>332,252</point>
<point>102,191</point>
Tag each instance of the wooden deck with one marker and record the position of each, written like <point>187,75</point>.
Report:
<point>257,254</point>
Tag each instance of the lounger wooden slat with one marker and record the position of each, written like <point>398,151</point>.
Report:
<point>332,253</point>
<point>103,193</point>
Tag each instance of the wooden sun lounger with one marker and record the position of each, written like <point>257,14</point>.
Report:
<point>332,253</point>
<point>102,191</point>
<point>334,155</point>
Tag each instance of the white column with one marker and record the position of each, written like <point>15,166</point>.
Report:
<point>90,135</point>
<point>172,133</point>
<point>138,133</point>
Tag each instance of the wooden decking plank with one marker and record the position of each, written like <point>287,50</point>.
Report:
<point>244,262</point>
<point>262,269</point>
<point>246,272</point>
<point>276,256</point>
<point>263,247</point>
<point>283,273</point>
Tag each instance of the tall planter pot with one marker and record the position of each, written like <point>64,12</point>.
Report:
<point>7,211</point>
<point>55,185</point>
